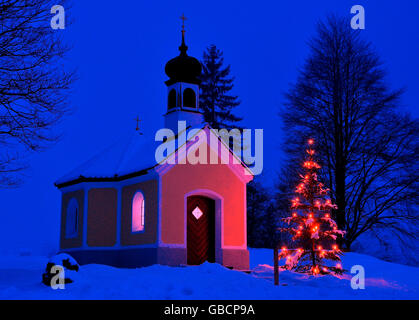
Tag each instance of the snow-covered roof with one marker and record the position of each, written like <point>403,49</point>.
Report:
<point>128,155</point>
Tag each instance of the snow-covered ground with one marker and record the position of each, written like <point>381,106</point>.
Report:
<point>20,278</point>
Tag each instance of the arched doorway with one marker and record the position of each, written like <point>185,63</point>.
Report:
<point>200,230</point>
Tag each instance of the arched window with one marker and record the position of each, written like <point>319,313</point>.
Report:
<point>171,103</point>
<point>189,98</point>
<point>138,212</point>
<point>72,219</point>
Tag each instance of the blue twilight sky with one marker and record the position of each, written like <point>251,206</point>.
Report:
<point>120,49</point>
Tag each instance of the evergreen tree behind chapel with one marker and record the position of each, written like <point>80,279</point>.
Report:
<point>215,100</point>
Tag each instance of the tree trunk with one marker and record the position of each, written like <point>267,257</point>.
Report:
<point>276,271</point>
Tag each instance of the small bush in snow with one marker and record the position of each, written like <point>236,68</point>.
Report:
<point>61,263</point>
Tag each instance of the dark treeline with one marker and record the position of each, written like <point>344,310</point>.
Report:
<point>368,147</point>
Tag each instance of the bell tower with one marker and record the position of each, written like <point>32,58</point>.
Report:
<point>183,89</point>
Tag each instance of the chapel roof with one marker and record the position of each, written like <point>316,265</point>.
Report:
<point>126,158</point>
<point>129,156</point>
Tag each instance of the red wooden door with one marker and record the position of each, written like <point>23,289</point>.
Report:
<point>200,230</point>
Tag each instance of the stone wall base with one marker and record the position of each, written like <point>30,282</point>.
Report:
<point>171,256</point>
<point>142,257</point>
<point>236,258</point>
<point>125,258</point>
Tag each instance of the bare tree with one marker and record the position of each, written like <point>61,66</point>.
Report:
<point>33,82</point>
<point>369,149</point>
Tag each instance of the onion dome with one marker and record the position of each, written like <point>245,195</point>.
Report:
<point>183,68</point>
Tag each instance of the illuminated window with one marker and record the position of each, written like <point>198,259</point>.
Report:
<point>189,98</point>
<point>72,219</point>
<point>138,212</point>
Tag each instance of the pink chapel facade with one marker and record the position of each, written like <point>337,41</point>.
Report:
<point>124,209</point>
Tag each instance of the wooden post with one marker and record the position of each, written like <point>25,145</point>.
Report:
<point>276,270</point>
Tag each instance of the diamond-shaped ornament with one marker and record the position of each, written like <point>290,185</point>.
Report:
<point>197,213</point>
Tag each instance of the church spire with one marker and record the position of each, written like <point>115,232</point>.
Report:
<point>183,47</point>
<point>183,68</point>
<point>183,88</point>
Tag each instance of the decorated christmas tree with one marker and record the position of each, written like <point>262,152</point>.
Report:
<point>313,231</point>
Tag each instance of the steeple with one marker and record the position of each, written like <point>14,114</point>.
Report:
<point>183,68</point>
<point>183,87</point>
<point>183,47</point>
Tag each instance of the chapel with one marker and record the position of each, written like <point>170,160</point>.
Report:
<point>124,208</point>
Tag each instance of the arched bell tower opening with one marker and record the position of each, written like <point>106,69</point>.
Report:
<point>189,98</point>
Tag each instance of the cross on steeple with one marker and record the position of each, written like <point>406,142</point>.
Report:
<point>138,125</point>
<point>183,47</point>
<point>183,18</point>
